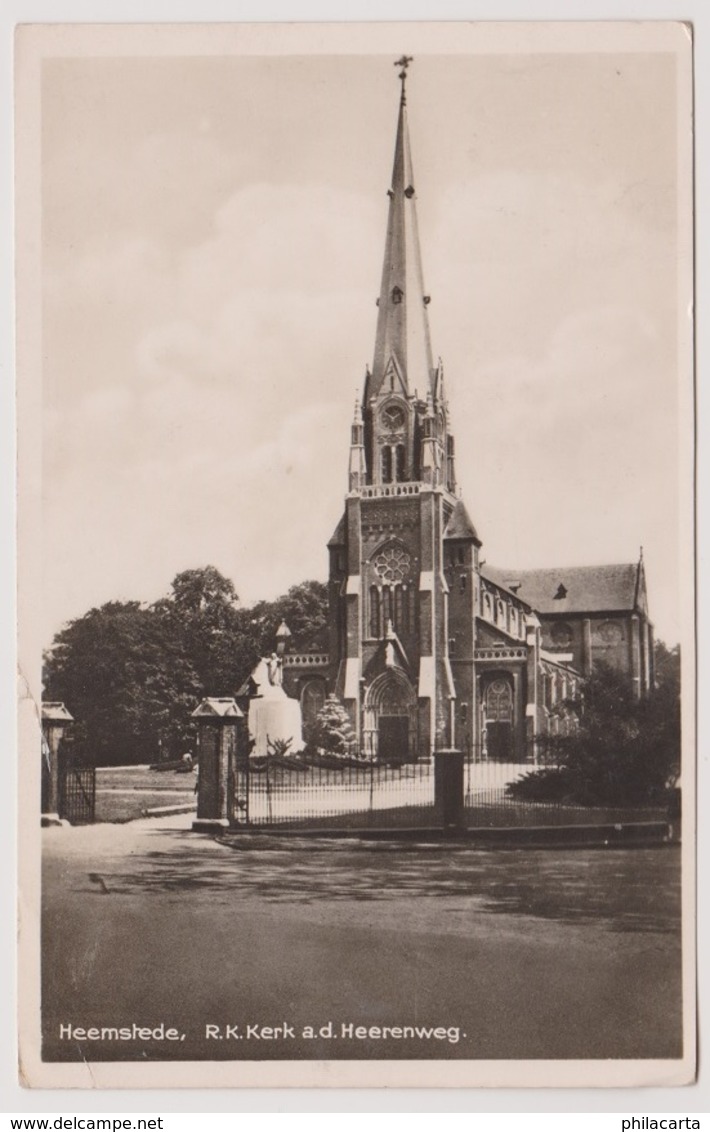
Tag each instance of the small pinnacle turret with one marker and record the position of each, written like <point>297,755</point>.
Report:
<point>358,466</point>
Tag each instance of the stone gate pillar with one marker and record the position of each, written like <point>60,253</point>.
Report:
<point>218,721</point>
<point>55,720</point>
<point>449,788</point>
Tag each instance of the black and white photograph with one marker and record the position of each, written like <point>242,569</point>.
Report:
<point>356,449</point>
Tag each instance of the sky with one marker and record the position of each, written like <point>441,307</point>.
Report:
<point>212,239</point>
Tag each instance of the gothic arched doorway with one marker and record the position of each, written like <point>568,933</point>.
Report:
<point>390,718</point>
<point>498,719</point>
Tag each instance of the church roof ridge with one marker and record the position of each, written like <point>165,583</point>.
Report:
<point>572,589</point>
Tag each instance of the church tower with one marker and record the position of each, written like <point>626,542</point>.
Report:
<point>405,541</point>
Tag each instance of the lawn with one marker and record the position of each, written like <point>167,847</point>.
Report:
<point>127,792</point>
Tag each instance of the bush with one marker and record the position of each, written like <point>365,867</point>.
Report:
<point>622,753</point>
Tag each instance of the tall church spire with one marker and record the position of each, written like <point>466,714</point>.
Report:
<point>403,358</point>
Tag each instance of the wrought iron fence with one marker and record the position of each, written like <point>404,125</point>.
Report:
<point>488,799</point>
<point>332,792</point>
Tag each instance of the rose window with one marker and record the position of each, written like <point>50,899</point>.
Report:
<point>392,565</point>
<point>611,632</point>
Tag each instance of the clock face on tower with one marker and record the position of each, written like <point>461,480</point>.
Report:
<point>393,417</point>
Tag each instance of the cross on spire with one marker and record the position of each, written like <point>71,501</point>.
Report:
<point>404,63</point>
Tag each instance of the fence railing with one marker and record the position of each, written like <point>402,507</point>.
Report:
<point>279,791</point>
<point>489,800</point>
<point>328,791</point>
<point>337,794</point>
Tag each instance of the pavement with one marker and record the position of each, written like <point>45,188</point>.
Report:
<point>282,949</point>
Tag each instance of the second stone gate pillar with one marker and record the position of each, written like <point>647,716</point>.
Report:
<point>449,788</point>
<point>218,721</point>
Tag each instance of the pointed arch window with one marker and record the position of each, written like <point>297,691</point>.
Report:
<point>387,610</point>
<point>375,623</point>
<point>399,607</point>
<point>397,295</point>
<point>499,701</point>
<point>400,459</point>
<point>386,464</point>
<point>393,567</point>
<point>312,699</point>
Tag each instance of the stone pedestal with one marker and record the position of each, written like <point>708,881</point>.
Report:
<point>449,788</point>
<point>273,716</point>
<point>55,720</point>
<point>218,721</point>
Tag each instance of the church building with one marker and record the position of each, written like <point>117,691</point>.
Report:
<point>428,649</point>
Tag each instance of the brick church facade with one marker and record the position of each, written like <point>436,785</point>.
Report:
<point>428,649</point>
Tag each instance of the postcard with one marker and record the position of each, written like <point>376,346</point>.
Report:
<point>356,520</point>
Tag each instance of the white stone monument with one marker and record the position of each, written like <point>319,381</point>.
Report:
<point>272,714</point>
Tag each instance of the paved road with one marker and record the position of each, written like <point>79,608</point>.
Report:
<point>514,954</point>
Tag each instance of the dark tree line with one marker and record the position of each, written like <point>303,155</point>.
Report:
<point>131,674</point>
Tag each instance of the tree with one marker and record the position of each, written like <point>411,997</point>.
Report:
<point>623,750</point>
<point>667,666</point>
<point>126,681</point>
<point>203,593</point>
<point>132,674</point>
<point>201,616</point>
<point>304,609</point>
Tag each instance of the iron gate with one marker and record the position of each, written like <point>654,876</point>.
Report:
<point>77,792</point>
